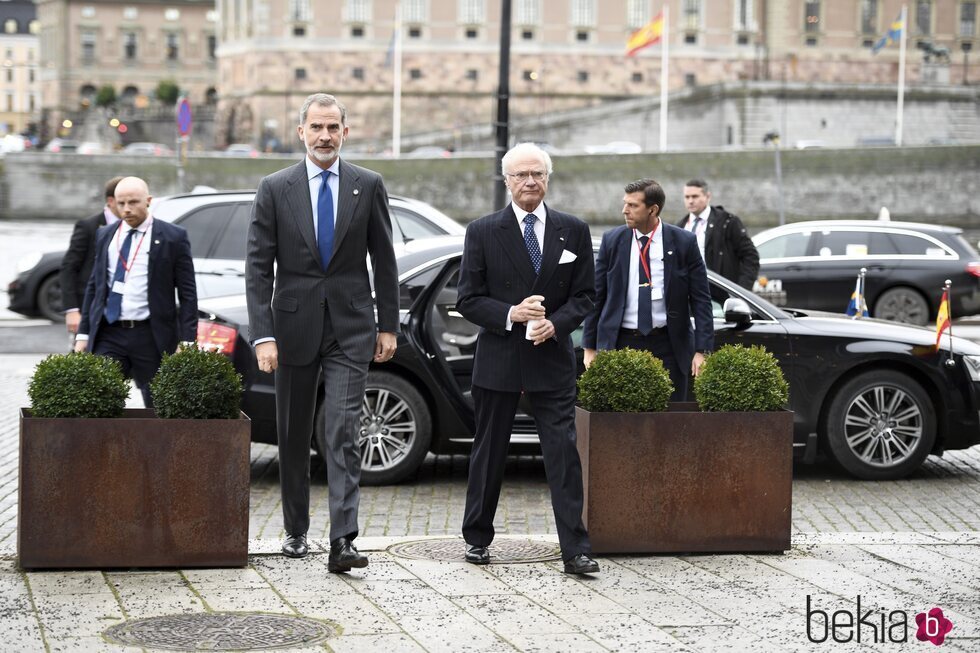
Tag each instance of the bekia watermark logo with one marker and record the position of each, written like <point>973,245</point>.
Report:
<point>873,626</point>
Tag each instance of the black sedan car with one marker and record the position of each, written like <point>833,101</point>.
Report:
<point>815,265</point>
<point>875,396</point>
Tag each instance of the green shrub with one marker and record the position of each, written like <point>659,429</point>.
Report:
<point>739,379</point>
<point>78,385</point>
<point>196,384</point>
<point>625,381</point>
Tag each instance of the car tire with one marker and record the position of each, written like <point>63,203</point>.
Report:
<point>49,299</point>
<point>880,425</point>
<point>388,455</point>
<point>902,304</point>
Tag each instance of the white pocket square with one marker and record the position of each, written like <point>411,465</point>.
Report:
<point>566,257</point>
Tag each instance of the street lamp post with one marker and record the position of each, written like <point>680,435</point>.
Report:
<point>503,114</point>
<point>773,138</point>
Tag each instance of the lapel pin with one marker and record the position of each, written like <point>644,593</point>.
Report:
<point>670,252</point>
<point>356,191</point>
<point>561,238</point>
<point>156,242</point>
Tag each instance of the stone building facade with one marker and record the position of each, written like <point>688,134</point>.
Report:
<point>20,103</point>
<point>564,54</point>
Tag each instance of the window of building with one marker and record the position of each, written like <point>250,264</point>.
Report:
<point>10,26</point>
<point>691,38</point>
<point>30,54</point>
<point>473,74</point>
<point>131,13</point>
<point>583,76</point>
<point>415,73</point>
<point>212,46</point>
<point>10,74</point>
<point>129,46</point>
<point>358,11</point>
<point>414,11</point>
<point>744,16</point>
<point>88,47</point>
<point>357,32</point>
<point>31,102</point>
<point>9,55</point>
<point>173,46</point>
<point>34,27</point>
<point>414,32</point>
<point>637,13</point>
<point>742,39</point>
<point>171,14</point>
<point>692,15</point>
<point>968,19</point>
<point>299,74</point>
<point>10,101</point>
<point>211,16</point>
<point>869,16</point>
<point>528,12</point>
<point>582,36</point>
<point>30,75</point>
<point>529,75</point>
<point>527,35</point>
<point>299,30</point>
<point>357,73</point>
<point>583,13</point>
<point>811,41</point>
<point>472,33</point>
<point>472,12</point>
<point>88,12</point>
<point>636,78</point>
<point>923,16</point>
<point>811,16</point>
<point>299,11</point>
<point>690,79</point>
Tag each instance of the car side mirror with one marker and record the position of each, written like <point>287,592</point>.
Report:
<point>737,310</point>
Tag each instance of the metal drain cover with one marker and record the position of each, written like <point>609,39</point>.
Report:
<point>502,551</point>
<point>220,632</point>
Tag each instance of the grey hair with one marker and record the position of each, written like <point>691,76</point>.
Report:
<point>322,100</point>
<point>525,149</point>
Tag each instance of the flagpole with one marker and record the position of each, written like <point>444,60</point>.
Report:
<point>949,317</point>
<point>901,77</point>
<point>664,78</point>
<point>396,87</point>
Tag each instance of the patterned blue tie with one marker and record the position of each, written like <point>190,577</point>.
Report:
<point>113,306</point>
<point>644,307</point>
<point>532,242</point>
<point>324,221</point>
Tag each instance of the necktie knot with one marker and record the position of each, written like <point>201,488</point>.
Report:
<point>530,219</point>
<point>644,240</point>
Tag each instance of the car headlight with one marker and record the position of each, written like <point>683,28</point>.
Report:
<point>972,364</point>
<point>27,262</point>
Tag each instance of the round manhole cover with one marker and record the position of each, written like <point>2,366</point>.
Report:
<point>501,551</point>
<point>220,632</point>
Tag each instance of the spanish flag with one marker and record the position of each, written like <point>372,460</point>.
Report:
<point>646,36</point>
<point>942,320</point>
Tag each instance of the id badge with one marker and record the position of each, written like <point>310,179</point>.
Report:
<point>656,294</point>
<point>119,287</point>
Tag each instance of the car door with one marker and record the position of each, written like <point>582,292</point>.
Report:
<point>840,255</point>
<point>226,264</point>
<point>204,226</point>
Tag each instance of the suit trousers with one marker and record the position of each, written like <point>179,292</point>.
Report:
<point>135,350</point>
<point>658,344</point>
<point>554,414</point>
<point>344,381</point>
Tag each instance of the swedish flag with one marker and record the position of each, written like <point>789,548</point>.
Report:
<point>893,35</point>
<point>858,307</point>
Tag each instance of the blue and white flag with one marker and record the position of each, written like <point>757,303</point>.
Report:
<point>893,34</point>
<point>858,307</point>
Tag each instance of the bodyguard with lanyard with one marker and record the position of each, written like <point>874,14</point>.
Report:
<point>650,280</point>
<point>129,313</point>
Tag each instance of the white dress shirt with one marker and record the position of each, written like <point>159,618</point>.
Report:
<point>313,173</point>
<point>135,301</point>
<point>541,213</point>
<point>699,228</point>
<point>637,276</point>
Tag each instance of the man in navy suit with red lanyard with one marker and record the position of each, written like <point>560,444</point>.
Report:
<point>129,312</point>
<point>650,277</point>
<point>527,280</point>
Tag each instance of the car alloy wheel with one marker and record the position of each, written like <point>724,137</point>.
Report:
<point>395,429</point>
<point>902,305</point>
<point>881,425</point>
<point>49,298</point>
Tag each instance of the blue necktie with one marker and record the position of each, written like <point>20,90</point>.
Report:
<point>532,242</point>
<point>644,315</point>
<point>324,221</point>
<point>113,306</point>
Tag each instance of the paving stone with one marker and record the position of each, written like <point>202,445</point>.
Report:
<point>355,614</point>
<point>238,599</point>
<point>550,642</point>
<point>510,614</point>
<point>453,631</point>
<point>401,598</point>
<point>394,643</point>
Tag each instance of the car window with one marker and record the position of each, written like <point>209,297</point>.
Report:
<point>911,245</point>
<point>410,289</point>
<point>413,225</point>
<point>204,225</point>
<point>231,244</point>
<point>854,243</point>
<point>785,246</point>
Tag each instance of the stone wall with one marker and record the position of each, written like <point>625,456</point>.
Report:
<point>935,183</point>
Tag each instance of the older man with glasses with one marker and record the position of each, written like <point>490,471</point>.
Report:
<point>527,278</point>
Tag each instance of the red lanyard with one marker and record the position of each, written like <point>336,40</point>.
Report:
<point>644,258</point>
<point>127,266</point>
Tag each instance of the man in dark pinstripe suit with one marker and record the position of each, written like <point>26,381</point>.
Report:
<point>528,280</point>
<point>314,315</point>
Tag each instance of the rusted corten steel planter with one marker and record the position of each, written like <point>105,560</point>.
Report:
<point>134,491</point>
<point>687,481</point>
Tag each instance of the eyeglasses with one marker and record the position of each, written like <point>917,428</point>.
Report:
<point>538,175</point>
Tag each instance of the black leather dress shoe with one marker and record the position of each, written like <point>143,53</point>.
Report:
<point>343,556</point>
<point>477,555</point>
<point>295,546</point>
<point>581,564</point>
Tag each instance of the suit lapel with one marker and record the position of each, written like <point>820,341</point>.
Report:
<point>350,193</point>
<point>512,241</point>
<point>298,198</point>
<point>554,244</point>
<point>709,233</point>
<point>623,246</point>
<point>669,257</point>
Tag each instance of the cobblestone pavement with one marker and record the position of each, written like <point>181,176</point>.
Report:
<point>943,496</point>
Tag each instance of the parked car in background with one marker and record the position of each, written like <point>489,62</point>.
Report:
<point>148,149</point>
<point>14,143</point>
<point>93,147</point>
<point>61,145</point>
<point>241,149</point>
<point>815,265</point>
<point>875,396</point>
<point>217,224</point>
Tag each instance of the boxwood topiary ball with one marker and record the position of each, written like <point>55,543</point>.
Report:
<point>78,385</point>
<point>196,384</point>
<point>625,381</point>
<point>740,379</point>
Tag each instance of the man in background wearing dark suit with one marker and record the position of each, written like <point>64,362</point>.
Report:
<point>76,266</point>
<point>649,278</point>
<point>722,238</point>
<point>526,279</point>
<point>312,316</point>
<point>129,312</point>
